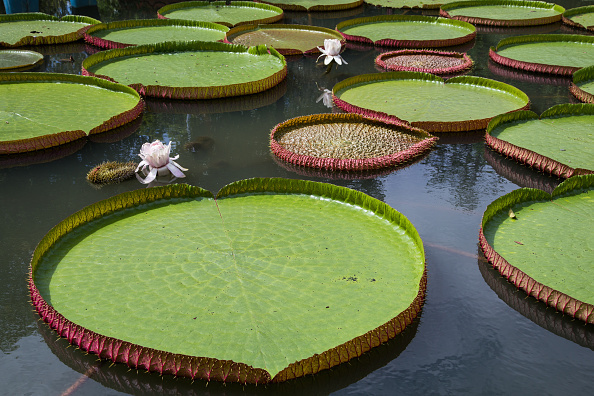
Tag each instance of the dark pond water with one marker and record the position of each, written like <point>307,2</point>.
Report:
<point>476,333</point>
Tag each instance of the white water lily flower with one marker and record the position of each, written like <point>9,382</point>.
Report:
<point>155,155</point>
<point>332,51</point>
<point>326,96</point>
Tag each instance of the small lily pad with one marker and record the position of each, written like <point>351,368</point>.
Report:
<point>286,39</point>
<point>546,250</point>
<point>559,142</point>
<point>190,70</point>
<point>411,31</point>
<point>314,5</point>
<point>503,12</point>
<point>425,61</point>
<point>582,86</point>
<point>347,142</point>
<point>545,53</point>
<point>37,29</point>
<point>121,34</point>
<point>462,103</point>
<point>32,119</point>
<point>266,282</point>
<point>228,13</point>
<point>580,17</point>
<point>19,59</point>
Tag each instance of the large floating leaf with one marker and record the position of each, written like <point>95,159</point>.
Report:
<point>503,12</point>
<point>412,31</point>
<point>347,142</point>
<point>427,4</point>
<point>559,142</point>
<point>286,39</point>
<point>38,28</point>
<point>190,70</point>
<point>314,5</point>
<point>121,34</point>
<point>42,110</point>
<point>271,280</point>
<point>19,59</point>
<point>580,17</point>
<point>582,85</point>
<point>546,248</point>
<point>427,101</point>
<point>228,13</point>
<point>545,53</point>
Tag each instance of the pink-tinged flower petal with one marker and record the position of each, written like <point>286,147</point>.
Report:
<point>149,178</point>
<point>143,164</point>
<point>176,172</point>
<point>327,60</point>
<point>178,165</point>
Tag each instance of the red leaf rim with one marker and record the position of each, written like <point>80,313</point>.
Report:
<point>553,298</point>
<point>348,164</point>
<point>530,66</point>
<point>532,158</point>
<point>411,43</point>
<point>579,93</point>
<point>380,61</point>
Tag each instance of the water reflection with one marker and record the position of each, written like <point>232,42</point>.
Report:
<point>538,312</point>
<point>120,378</point>
<point>520,174</point>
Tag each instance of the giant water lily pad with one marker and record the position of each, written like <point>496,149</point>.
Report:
<point>19,59</point>
<point>286,39</point>
<point>314,5</point>
<point>427,101</point>
<point>412,31</point>
<point>582,86</point>
<point>347,142</point>
<point>269,281</point>
<point>426,4</point>
<point>38,28</point>
<point>580,17</point>
<point>121,34</point>
<point>560,142</point>
<point>190,70</point>
<point>42,110</point>
<point>503,12</point>
<point>228,13</point>
<point>545,53</point>
<point>544,249</point>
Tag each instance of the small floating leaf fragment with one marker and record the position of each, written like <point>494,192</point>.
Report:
<point>519,243</point>
<point>511,214</point>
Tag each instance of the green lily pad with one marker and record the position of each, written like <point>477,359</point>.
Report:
<point>38,29</point>
<point>286,39</point>
<point>30,118</point>
<point>190,70</point>
<point>582,86</point>
<point>122,34</point>
<point>266,282</point>
<point>427,101</point>
<point>226,13</point>
<point>545,249</point>
<point>19,59</point>
<point>580,17</point>
<point>559,142</point>
<point>426,4</point>
<point>545,53</point>
<point>411,31</point>
<point>503,12</point>
<point>314,5</point>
